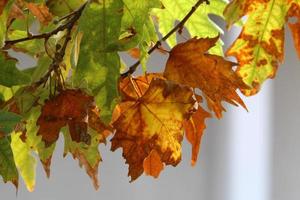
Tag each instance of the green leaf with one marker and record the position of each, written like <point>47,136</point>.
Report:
<point>98,70</point>
<point>8,121</point>
<point>10,75</point>
<point>63,7</point>
<point>199,24</point>
<point>137,26</point>
<point>8,169</point>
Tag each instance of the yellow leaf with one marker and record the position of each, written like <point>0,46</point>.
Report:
<point>151,119</point>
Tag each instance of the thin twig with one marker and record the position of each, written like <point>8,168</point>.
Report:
<point>133,68</point>
<point>59,55</point>
<point>46,36</point>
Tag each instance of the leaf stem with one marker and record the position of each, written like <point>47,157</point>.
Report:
<point>133,68</point>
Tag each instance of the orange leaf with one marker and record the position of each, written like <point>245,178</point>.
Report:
<point>73,108</point>
<point>153,164</point>
<point>194,128</point>
<point>41,12</point>
<point>189,64</point>
<point>151,119</point>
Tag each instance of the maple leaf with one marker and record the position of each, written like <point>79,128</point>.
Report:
<point>151,119</point>
<point>189,64</point>
<point>194,128</point>
<point>260,46</point>
<point>73,108</point>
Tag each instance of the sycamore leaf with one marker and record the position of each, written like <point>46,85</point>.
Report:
<point>73,108</point>
<point>259,47</point>
<point>199,24</point>
<point>146,124</point>
<point>194,128</point>
<point>41,12</point>
<point>189,64</point>
<point>98,70</point>
<point>8,169</point>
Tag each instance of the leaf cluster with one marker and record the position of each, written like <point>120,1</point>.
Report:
<point>80,88</point>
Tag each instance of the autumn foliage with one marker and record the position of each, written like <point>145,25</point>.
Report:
<point>81,90</point>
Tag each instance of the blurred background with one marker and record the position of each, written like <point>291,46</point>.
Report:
<point>244,156</point>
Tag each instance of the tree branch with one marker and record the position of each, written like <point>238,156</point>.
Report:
<point>59,55</point>
<point>69,25</point>
<point>133,68</point>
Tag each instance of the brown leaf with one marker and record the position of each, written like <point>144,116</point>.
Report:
<point>152,164</point>
<point>73,108</point>
<point>41,11</point>
<point>194,128</point>
<point>151,119</point>
<point>189,64</point>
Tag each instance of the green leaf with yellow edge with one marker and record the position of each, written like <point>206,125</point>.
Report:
<point>98,70</point>
<point>88,155</point>
<point>10,75</point>
<point>8,169</point>
<point>259,47</point>
<point>199,24</point>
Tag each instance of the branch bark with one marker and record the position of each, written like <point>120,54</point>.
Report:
<point>133,68</point>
